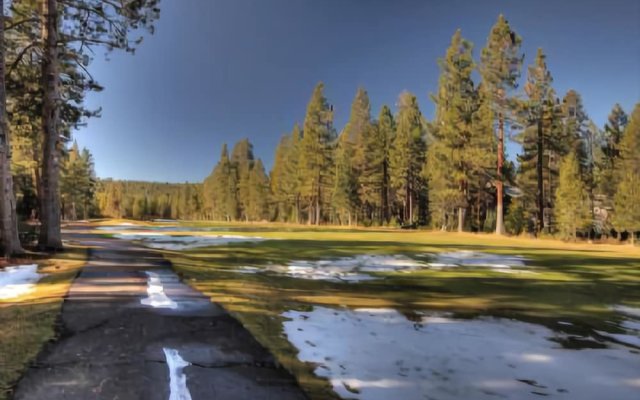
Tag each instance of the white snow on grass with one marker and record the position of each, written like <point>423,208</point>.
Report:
<point>178,389</point>
<point>363,267</point>
<point>466,258</point>
<point>347,269</point>
<point>630,324</point>
<point>379,354</point>
<point>157,240</point>
<point>18,280</point>
<point>156,297</point>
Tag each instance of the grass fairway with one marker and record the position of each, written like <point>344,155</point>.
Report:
<point>28,322</point>
<point>571,283</point>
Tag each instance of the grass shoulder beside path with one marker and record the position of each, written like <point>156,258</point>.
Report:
<point>27,322</point>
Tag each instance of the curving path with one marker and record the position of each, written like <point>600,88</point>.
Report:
<point>131,330</point>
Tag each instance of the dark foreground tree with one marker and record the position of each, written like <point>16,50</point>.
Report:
<point>9,240</point>
<point>85,24</point>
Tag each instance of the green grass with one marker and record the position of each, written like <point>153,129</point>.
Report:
<point>574,282</point>
<point>28,322</point>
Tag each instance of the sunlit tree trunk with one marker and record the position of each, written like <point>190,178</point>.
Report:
<point>50,237</point>
<point>9,240</point>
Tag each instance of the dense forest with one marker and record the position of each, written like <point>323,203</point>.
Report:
<point>570,178</point>
<point>387,167</point>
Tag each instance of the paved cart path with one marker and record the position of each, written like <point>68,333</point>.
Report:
<point>131,330</point>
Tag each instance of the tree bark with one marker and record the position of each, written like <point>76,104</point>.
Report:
<point>9,239</point>
<point>461,212</point>
<point>499,181</point>
<point>50,237</point>
<point>539,173</point>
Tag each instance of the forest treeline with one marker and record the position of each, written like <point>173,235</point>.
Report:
<point>396,168</point>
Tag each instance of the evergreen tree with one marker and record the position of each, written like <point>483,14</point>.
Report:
<point>572,200</point>
<point>459,141</point>
<point>386,132</point>
<point>242,160</point>
<point>315,152</point>
<point>407,156</point>
<point>627,198</point>
<point>77,184</point>
<point>87,24</point>
<point>612,135</point>
<point>278,179</point>
<point>345,192</point>
<point>258,193</point>
<point>500,68</point>
<point>9,241</point>
<point>541,143</point>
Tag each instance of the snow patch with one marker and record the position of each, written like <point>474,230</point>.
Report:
<point>376,355</point>
<point>18,280</point>
<point>177,378</point>
<point>631,326</point>
<point>156,297</point>
<point>467,258</point>
<point>168,242</point>
<point>360,268</point>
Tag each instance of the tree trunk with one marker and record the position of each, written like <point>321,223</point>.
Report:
<point>461,212</point>
<point>499,182</point>
<point>540,194</point>
<point>9,239</point>
<point>50,202</point>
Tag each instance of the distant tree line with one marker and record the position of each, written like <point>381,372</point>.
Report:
<point>571,178</point>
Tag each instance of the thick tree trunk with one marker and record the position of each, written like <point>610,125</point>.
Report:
<point>50,237</point>
<point>540,194</point>
<point>9,239</point>
<point>499,181</point>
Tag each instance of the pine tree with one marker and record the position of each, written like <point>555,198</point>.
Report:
<point>500,68</point>
<point>407,156</point>
<point>345,192</point>
<point>572,200</point>
<point>452,166</point>
<point>9,241</point>
<point>315,152</point>
<point>386,131</point>
<point>87,24</point>
<point>258,192</point>
<point>242,160</point>
<point>627,198</point>
<point>356,136</point>
<point>278,179</point>
<point>613,133</point>
<point>540,142</point>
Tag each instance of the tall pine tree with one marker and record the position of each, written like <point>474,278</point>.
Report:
<point>315,155</point>
<point>500,68</point>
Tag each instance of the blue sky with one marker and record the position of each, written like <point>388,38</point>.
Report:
<point>220,70</point>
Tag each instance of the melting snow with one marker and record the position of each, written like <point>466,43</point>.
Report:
<point>379,354</point>
<point>359,268</point>
<point>177,379</point>
<point>631,324</point>
<point>18,280</point>
<point>351,269</point>
<point>156,297</point>
<point>466,258</point>
<point>167,242</point>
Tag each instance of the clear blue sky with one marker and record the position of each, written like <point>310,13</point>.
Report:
<point>220,70</point>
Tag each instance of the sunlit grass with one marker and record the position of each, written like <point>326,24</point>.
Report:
<point>576,282</point>
<point>28,322</point>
